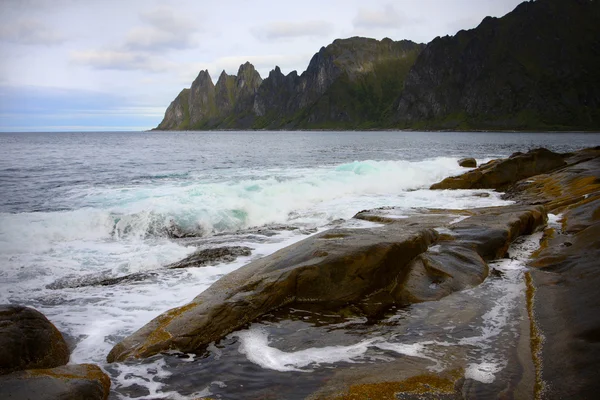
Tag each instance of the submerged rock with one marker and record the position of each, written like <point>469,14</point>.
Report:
<point>403,261</point>
<point>29,340</point>
<point>212,256</point>
<point>500,174</point>
<point>101,279</point>
<point>69,382</point>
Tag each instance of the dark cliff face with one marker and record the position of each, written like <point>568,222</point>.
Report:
<point>537,67</point>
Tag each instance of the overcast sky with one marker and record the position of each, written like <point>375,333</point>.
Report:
<point>117,64</point>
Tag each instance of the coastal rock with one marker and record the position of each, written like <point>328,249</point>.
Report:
<point>403,261</point>
<point>468,162</point>
<point>29,340</point>
<point>500,174</point>
<point>440,271</point>
<point>564,280</point>
<point>69,382</point>
<point>211,256</point>
<point>562,188</point>
<point>491,230</point>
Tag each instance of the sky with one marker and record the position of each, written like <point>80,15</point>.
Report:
<point>88,65</point>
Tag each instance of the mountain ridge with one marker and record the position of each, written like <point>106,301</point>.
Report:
<point>536,68</point>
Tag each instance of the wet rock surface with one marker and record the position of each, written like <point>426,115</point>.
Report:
<point>399,263</point>
<point>69,382</point>
<point>29,340</point>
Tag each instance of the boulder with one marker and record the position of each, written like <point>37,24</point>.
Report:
<point>405,260</point>
<point>29,340</point>
<point>468,162</point>
<point>69,382</point>
<point>500,174</point>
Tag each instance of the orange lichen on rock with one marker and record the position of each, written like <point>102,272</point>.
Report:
<point>430,384</point>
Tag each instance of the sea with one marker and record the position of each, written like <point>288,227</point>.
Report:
<point>79,208</point>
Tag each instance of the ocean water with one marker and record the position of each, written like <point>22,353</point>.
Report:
<point>77,208</point>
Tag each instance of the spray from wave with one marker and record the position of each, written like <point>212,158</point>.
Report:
<point>199,207</point>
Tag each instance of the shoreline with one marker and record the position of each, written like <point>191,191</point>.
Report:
<point>445,266</point>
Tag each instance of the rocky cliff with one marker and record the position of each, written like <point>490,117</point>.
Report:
<point>349,82</point>
<point>535,68</point>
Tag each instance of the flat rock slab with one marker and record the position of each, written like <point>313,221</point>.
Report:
<point>69,382</point>
<point>28,340</point>
<point>406,260</point>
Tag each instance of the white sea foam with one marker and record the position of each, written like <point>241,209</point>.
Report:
<point>150,376</point>
<point>254,343</point>
<point>484,372</point>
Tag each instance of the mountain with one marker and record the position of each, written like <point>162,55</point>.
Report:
<point>350,83</point>
<point>538,67</point>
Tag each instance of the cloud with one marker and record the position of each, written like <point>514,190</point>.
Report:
<point>386,18</point>
<point>120,60</point>
<point>143,46</point>
<point>164,18</point>
<point>289,30</point>
<point>30,32</point>
<point>163,30</point>
<point>151,39</point>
